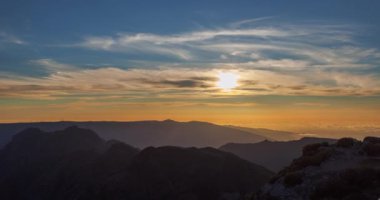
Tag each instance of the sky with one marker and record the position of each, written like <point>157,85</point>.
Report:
<point>296,64</point>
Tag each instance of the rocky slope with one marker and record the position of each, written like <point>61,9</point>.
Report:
<point>348,169</point>
<point>271,154</point>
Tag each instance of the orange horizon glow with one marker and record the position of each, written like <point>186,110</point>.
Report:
<point>290,118</point>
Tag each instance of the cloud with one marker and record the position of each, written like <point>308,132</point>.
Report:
<point>187,83</point>
<point>270,59</point>
<point>324,59</point>
<point>66,80</point>
<point>103,43</point>
<point>181,46</point>
<point>249,21</point>
<point>309,42</point>
<point>52,66</point>
<point>312,104</point>
<point>9,38</point>
<point>199,36</point>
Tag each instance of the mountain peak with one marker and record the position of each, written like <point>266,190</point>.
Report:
<point>34,142</point>
<point>76,133</point>
<point>169,121</point>
<point>28,136</point>
<point>29,131</point>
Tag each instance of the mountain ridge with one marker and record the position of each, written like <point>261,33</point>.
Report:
<point>146,133</point>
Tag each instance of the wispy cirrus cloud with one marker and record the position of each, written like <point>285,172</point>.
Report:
<point>183,46</point>
<point>9,38</point>
<point>53,66</point>
<point>243,22</point>
<point>317,44</point>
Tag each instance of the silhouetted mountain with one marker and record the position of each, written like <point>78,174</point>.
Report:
<point>147,133</point>
<point>273,135</point>
<point>76,164</point>
<point>348,169</point>
<point>192,173</point>
<point>272,155</point>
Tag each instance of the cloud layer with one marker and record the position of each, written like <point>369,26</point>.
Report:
<point>276,59</point>
<point>168,82</point>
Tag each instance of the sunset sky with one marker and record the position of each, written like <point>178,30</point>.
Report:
<point>274,64</point>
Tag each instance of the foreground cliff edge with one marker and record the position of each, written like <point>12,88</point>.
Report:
<point>348,169</point>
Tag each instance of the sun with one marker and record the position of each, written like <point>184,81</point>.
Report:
<point>227,80</point>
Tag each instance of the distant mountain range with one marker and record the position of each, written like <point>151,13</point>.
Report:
<point>76,163</point>
<point>157,133</point>
<point>271,154</point>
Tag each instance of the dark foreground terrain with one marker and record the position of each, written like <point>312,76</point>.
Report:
<point>76,163</point>
<point>348,170</point>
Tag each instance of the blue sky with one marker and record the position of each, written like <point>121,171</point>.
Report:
<point>45,27</point>
<point>305,55</point>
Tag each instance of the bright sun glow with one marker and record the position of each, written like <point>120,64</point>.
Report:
<point>227,80</point>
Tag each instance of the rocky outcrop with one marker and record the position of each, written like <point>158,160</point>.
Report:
<point>348,169</point>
